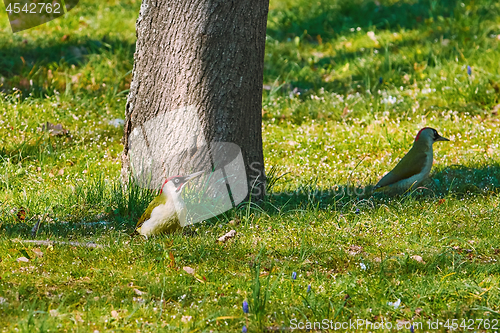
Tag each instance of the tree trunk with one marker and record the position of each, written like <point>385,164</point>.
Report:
<point>196,94</point>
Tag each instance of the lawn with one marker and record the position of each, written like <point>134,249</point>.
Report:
<point>347,85</point>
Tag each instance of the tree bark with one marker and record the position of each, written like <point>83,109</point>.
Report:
<point>197,83</point>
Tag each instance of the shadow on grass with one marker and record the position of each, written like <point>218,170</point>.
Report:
<point>115,207</point>
<point>26,66</point>
<point>457,180</point>
<point>330,18</point>
<point>92,209</point>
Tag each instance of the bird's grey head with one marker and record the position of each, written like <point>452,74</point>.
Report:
<point>429,135</point>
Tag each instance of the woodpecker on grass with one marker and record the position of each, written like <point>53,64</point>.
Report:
<point>414,167</point>
<point>167,212</point>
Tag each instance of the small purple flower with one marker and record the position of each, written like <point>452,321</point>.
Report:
<point>294,275</point>
<point>357,210</point>
<point>245,307</point>
<point>244,329</point>
<point>308,289</point>
<point>469,70</point>
<point>412,330</point>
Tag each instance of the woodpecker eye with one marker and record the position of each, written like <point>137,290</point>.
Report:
<point>176,181</point>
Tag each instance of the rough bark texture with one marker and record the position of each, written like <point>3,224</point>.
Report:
<point>196,59</point>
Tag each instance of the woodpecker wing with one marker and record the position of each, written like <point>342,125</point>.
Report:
<point>159,200</point>
<point>411,164</point>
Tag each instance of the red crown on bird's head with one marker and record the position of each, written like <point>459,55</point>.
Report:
<point>166,181</point>
<point>416,138</point>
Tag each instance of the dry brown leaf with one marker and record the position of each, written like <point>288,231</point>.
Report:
<point>78,318</point>
<point>172,260</point>
<point>61,172</point>
<point>21,214</point>
<point>114,314</point>
<point>38,252</point>
<point>51,175</point>
<point>22,259</point>
<point>227,236</point>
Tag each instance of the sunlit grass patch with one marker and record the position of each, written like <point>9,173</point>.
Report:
<point>347,86</point>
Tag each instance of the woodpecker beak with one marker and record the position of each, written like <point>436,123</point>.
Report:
<point>193,175</point>
<point>188,178</point>
<point>440,138</point>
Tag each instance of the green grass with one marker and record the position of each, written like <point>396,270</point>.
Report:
<point>348,84</point>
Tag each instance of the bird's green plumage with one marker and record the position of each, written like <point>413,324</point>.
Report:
<point>159,200</point>
<point>411,164</point>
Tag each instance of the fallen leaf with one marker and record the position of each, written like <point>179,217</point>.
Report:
<point>354,249</point>
<point>51,175</point>
<point>61,172</point>
<point>188,270</point>
<point>345,111</point>
<point>114,314</point>
<point>495,110</point>
<point>418,259</point>
<point>21,214</point>
<point>38,252</point>
<point>227,236</point>
<point>78,318</point>
<point>441,201</point>
<point>172,260</point>
<point>402,322</point>
<point>418,311</point>
<point>138,292</point>
<point>22,259</point>
<point>53,313</point>
<point>235,221</point>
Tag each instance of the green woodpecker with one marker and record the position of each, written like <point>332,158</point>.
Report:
<point>167,212</point>
<point>414,167</point>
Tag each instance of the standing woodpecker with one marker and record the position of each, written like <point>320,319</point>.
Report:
<point>167,212</point>
<point>414,167</point>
